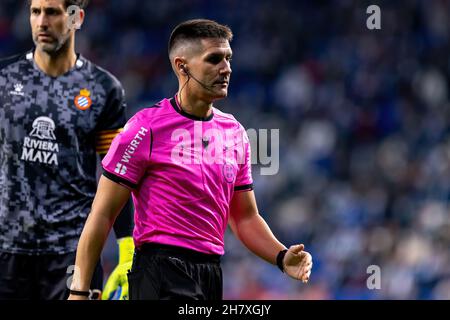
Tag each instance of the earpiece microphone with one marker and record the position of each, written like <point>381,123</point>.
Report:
<point>183,67</point>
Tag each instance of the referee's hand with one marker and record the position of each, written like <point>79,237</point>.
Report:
<point>298,263</point>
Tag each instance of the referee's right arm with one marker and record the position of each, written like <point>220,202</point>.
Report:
<point>108,202</point>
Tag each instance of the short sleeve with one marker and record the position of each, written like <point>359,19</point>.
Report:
<point>129,154</point>
<point>244,180</point>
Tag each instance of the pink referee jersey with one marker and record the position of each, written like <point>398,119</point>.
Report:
<point>183,172</point>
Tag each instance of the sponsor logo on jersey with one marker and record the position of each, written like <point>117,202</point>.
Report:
<point>18,90</point>
<point>120,169</point>
<point>43,128</point>
<point>83,100</point>
<point>40,145</point>
<point>130,150</point>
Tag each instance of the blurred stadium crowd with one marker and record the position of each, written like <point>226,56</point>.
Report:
<point>364,129</point>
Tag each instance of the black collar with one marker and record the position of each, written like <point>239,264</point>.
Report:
<point>178,109</point>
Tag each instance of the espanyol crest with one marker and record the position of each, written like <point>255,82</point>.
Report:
<point>83,100</point>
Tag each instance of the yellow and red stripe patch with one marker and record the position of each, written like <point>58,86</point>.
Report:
<point>104,139</point>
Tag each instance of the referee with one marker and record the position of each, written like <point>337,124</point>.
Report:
<point>57,112</point>
<point>187,165</point>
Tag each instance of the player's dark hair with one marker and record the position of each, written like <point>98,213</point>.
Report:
<point>198,29</point>
<point>67,3</point>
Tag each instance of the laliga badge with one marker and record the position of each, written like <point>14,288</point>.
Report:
<point>83,100</point>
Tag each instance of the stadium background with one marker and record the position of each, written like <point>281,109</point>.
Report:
<point>364,129</point>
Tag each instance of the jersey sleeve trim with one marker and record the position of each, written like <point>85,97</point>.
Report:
<point>119,180</point>
<point>247,187</point>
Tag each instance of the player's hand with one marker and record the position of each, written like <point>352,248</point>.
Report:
<point>116,287</point>
<point>298,263</point>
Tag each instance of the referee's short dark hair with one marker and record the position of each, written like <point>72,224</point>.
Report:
<point>198,29</point>
<point>67,3</point>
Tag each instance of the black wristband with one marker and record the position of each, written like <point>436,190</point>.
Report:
<point>280,258</point>
<point>80,293</point>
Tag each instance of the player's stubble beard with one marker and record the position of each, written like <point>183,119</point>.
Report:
<point>59,45</point>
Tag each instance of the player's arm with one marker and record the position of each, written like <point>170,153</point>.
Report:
<point>110,124</point>
<point>252,230</point>
<point>109,200</point>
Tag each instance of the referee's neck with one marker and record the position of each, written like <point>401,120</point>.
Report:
<point>193,105</point>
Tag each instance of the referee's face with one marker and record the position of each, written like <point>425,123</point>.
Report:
<point>49,25</point>
<point>212,65</point>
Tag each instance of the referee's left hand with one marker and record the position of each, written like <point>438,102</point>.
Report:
<point>298,263</point>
